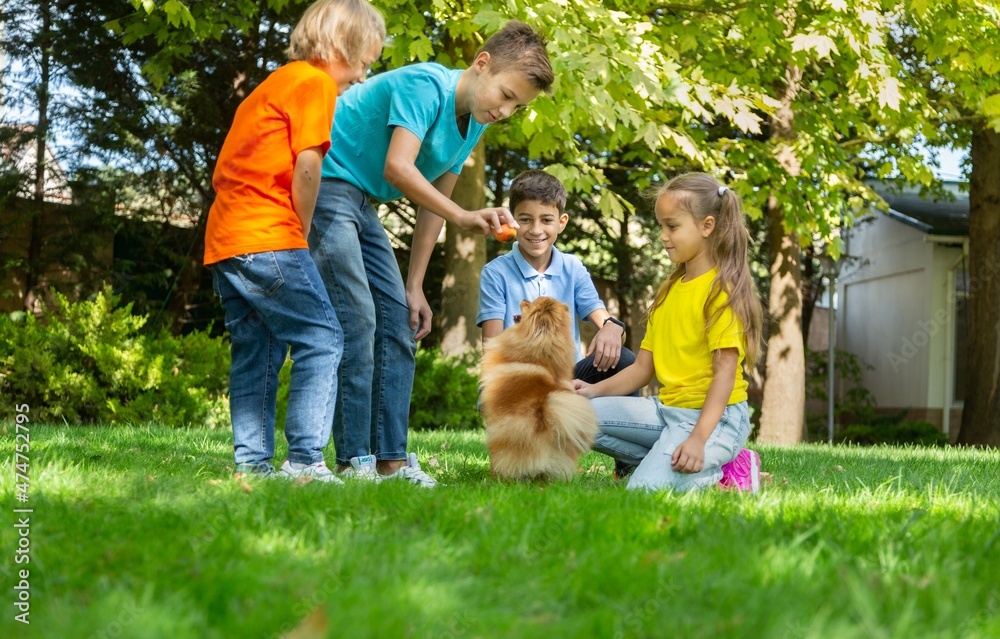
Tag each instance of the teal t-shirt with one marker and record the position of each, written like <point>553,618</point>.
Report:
<point>417,97</point>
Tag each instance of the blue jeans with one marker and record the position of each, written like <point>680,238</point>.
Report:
<point>643,431</point>
<point>273,301</point>
<point>358,266</point>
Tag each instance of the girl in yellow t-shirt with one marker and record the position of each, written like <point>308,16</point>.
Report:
<point>703,326</point>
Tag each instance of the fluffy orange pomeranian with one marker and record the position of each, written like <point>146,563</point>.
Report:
<point>536,424</point>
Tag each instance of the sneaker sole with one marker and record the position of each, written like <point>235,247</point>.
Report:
<point>347,475</point>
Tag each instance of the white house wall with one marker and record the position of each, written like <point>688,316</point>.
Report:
<point>936,322</point>
<point>886,305</point>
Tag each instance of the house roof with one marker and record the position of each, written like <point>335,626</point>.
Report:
<point>934,217</point>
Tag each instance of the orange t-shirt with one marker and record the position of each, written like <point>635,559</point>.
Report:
<point>291,111</point>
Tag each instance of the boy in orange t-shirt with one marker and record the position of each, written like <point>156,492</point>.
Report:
<point>266,181</point>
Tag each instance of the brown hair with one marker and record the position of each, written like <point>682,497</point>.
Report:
<point>518,46</point>
<point>332,30</point>
<point>539,186</point>
<point>702,195</point>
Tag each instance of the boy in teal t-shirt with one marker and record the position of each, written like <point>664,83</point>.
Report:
<point>406,132</point>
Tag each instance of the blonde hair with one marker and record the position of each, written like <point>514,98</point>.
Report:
<point>702,195</point>
<point>336,30</point>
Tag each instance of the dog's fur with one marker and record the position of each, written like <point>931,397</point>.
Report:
<point>536,424</point>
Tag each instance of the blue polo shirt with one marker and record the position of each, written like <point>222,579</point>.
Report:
<point>509,279</point>
<point>418,97</point>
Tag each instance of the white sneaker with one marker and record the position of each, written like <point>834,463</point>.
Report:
<point>411,472</point>
<point>317,471</point>
<point>362,468</point>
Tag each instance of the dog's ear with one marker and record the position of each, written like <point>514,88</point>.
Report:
<point>525,305</point>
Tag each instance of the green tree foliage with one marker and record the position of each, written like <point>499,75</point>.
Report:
<point>164,130</point>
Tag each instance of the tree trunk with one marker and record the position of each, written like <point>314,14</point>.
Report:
<point>35,267</point>
<point>981,414</point>
<point>783,410</point>
<point>465,256</point>
<point>782,415</point>
<point>625,274</point>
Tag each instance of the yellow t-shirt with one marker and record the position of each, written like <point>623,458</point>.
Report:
<point>682,347</point>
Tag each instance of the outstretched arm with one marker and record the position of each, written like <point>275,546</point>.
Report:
<point>401,171</point>
<point>434,206</point>
<point>689,457</point>
<point>623,382</point>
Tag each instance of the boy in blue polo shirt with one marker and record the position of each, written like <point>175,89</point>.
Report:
<point>534,267</point>
<point>404,132</point>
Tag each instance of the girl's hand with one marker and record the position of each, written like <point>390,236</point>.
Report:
<point>583,388</point>
<point>689,457</point>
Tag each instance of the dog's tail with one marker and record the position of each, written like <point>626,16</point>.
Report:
<point>572,420</point>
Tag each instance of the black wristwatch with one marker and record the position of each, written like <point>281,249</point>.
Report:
<point>615,321</point>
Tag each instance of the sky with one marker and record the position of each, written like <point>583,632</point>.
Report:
<point>951,164</point>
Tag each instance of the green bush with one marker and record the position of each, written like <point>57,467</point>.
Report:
<point>90,362</point>
<point>445,391</point>
<point>856,404</point>
<point>918,433</point>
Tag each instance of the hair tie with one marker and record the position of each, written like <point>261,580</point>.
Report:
<point>722,190</point>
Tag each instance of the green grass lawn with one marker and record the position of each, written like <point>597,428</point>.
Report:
<point>142,532</point>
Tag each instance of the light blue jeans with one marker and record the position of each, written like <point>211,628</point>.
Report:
<point>358,267</point>
<point>273,301</point>
<point>641,430</point>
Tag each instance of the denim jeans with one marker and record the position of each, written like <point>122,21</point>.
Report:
<point>273,301</point>
<point>358,267</point>
<point>643,431</point>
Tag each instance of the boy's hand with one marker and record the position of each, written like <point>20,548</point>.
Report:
<point>606,347</point>
<point>420,313</point>
<point>689,457</point>
<point>487,220</point>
